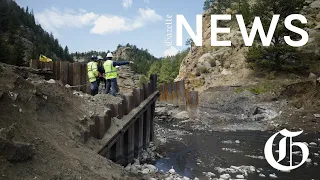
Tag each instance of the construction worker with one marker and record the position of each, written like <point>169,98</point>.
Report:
<point>101,71</point>
<point>93,75</point>
<point>111,73</point>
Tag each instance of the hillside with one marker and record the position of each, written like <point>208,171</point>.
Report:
<point>207,66</point>
<point>21,39</point>
<point>142,58</point>
<point>40,130</point>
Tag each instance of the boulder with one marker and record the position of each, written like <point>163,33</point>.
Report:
<point>312,76</point>
<point>182,115</point>
<point>315,5</point>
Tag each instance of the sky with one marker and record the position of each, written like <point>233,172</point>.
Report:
<point>103,24</point>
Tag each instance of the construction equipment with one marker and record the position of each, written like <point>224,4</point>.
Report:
<point>43,58</point>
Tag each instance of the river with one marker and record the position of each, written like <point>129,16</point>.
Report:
<point>196,153</point>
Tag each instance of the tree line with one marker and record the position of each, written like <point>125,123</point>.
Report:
<point>22,39</point>
<point>141,57</point>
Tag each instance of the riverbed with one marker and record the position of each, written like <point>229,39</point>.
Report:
<point>205,155</point>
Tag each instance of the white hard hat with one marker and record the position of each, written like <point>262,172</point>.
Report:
<point>109,55</point>
<point>100,58</point>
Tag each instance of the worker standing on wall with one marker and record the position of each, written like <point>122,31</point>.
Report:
<point>93,75</point>
<point>101,71</point>
<point>111,73</point>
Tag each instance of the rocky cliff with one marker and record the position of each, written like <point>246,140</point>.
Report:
<point>207,66</point>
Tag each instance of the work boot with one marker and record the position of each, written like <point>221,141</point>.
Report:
<point>93,92</point>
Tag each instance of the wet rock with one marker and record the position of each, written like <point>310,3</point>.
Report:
<point>240,176</point>
<point>145,171</point>
<point>182,115</point>
<point>150,167</point>
<point>313,144</point>
<point>273,176</point>
<point>262,175</point>
<point>225,176</point>
<point>308,161</point>
<point>209,175</point>
<point>172,171</point>
<point>312,76</point>
<point>255,157</point>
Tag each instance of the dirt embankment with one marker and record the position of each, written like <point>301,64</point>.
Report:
<point>40,124</point>
<point>263,106</point>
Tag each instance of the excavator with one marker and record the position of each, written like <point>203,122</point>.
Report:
<point>43,58</point>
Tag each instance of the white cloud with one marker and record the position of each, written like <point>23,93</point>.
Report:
<point>54,19</point>
<point>149,15</point>
<point>109,24</point>
<point>171,51</point>
<point>126,3</point>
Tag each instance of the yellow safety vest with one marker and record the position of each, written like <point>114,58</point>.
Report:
<point>110,70</point>
<point>92,71</point>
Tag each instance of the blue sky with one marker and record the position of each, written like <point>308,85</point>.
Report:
<point>103,24</point>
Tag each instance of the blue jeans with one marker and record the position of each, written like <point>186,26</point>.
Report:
<point>94,88</point>
<point>113,84</point>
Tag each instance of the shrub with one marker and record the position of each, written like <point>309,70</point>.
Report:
<point>270,75</point>
<point>143,79</point>
<point>239,90</point>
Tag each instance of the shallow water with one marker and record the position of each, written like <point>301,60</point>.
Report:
<point>203,151</point>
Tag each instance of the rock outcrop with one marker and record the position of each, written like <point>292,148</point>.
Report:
<point>208,66</point>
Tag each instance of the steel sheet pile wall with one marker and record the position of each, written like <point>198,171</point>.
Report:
<point>175,93</point>
<point>137,111</point>
<point>73,74</point>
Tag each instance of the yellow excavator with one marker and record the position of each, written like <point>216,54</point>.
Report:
<point>43,58</point>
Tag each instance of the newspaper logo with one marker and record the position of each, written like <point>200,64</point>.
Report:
<point>288,135</point>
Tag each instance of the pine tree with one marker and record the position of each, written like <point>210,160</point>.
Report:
<point>19,52</point>
<point>279,56</point>
<point>245,10</point>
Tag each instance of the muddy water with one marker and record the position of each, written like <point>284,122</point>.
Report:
<point>204,151</point>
